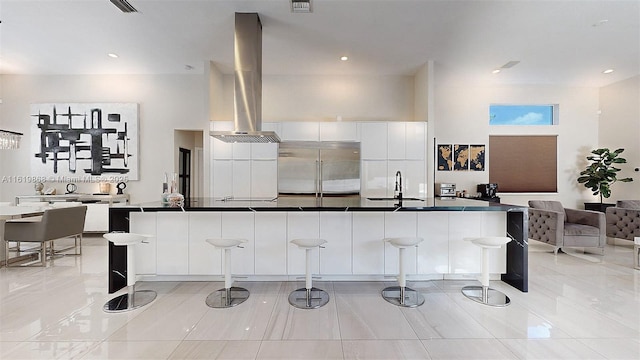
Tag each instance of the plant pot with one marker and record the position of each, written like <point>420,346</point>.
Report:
<point>601,207</point>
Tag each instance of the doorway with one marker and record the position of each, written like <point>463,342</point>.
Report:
<point>189,162</point>
<point>184,172</point>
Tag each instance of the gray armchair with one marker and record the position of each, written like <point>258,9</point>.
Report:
<point>623,220</point>
<point>553,224</point>
<point>56,223</point>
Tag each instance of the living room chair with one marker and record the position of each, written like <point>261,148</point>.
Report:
<point>553,224</point>
<point>56,223</point>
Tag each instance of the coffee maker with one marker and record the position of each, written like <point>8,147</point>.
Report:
<point>488,191</point>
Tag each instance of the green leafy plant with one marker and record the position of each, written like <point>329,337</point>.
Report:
<point>601,172</point>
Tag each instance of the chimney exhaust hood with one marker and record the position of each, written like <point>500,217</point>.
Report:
<point>247,84</point>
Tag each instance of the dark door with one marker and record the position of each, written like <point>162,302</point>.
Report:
<point>184,173</point>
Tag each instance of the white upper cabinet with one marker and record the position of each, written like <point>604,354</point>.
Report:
<point>373,140</point>
<point>406,140</point>
<point>416,140</point>
<point>338,131</point>
<point>300,131</point>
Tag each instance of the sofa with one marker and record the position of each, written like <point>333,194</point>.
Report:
<point>553,224</point>
<point>623,220</point>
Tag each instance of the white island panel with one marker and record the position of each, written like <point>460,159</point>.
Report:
<point>368,248</point>
<point>433,252</point>
<point>173,245</point>
<point>240,225</point>
<point>335,258</point>
<point>146,253</point>
<point>399,224</point>
<point>271,243</point>
<point>204,259</point>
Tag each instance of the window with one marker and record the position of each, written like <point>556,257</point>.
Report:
<point>523,114</point>
<point>525,163</point>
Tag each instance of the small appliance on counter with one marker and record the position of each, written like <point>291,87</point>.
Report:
<point>488,192</point>
<point>445,190</point>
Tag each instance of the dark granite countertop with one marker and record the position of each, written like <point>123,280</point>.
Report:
<point>329,203</point>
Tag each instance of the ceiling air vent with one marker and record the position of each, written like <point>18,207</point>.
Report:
<point>300,6</point>
<point>124,6</point>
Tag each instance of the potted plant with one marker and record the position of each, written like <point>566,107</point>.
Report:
<point>601,174</point>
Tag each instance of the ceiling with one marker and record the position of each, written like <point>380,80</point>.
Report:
<point>557,42</point>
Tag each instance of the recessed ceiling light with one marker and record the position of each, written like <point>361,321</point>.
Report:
<point>344,58</point>
<point>608,71</point>
<point>495,71</point>
<point>112,55</point>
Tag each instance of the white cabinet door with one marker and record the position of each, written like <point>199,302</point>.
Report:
<point>368,247</point>
<point>97,218</point>
<point>302,225</point>
<point>241,179</point>
<point>173,244</point>
<point>204,259</point>
<point>416,137</point>
<point>300,131</point>
<point>433,252</point>
<point>464,257</point>
<point>335,227</point>
<point>374,178</point>
<point>338,131</point>
<point>220,149</point>
<point>145,223</point>
<point>242,151</point>
<point>399,224</point>
<point>271,243</point>
<point>261,151</point>
<point>373,140</point>
<point>396,140</point>
<point>240,225</point>
<point>264,179</point>
<point>222,175</point>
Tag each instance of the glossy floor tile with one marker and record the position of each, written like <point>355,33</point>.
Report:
<point>579,306</point>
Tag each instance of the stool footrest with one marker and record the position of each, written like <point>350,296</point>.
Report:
<point>308,298</point>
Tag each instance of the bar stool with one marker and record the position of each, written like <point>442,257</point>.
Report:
<point>133,299</point>
<point>308,297</point>
<point>229,296</point>
<point>483,294</point>
<point>402,295</point>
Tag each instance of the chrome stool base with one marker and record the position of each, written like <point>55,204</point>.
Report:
<point>226,298</point>
<point>485,295</point>
<point>129,301</point>
<point>405,297</point>
<point>308,298</point>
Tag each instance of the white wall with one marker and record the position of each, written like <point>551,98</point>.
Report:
<point>166,102</point>
<point>620,128</point>
<point>462,117</point>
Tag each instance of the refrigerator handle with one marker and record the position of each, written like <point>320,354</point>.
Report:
<point>317,187</point>
<point>320,178</point>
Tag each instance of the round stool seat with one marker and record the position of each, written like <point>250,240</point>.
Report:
<point>229,296</point>
<point>483,294</point>
<point>308,243</point>
<point>226,243</point>
<point>404,242</point>
<point>133,299</point>
<point>125,239</point>
<point>490,242</point>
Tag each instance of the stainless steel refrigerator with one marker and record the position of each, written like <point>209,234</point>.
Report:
<point>319,168</point>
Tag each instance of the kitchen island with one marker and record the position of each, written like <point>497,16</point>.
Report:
<point>354,228</point>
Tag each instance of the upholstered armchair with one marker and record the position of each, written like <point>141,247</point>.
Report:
<point>553,224</point>
<point>623,220</point>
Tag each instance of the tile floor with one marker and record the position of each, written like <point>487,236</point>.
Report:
<point>580,306</point>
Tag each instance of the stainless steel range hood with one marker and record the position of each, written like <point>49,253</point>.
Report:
<point>248,84</point>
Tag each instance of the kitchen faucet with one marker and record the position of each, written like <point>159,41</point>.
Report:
<point>398,185</point>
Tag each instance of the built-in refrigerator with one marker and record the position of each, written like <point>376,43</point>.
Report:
<point>319,168</point>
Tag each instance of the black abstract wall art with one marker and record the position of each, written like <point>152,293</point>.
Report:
<point>78,140</point>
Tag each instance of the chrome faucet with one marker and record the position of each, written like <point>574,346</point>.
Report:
<point>398,189</point>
